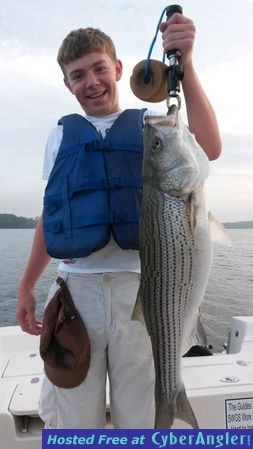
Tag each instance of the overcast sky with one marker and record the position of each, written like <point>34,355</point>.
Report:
<point>33,96</point>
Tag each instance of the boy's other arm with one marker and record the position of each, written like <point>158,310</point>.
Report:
<point>37,262</point>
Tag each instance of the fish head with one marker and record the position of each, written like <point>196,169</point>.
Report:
<point>172,161</point>
<point>159,137</point>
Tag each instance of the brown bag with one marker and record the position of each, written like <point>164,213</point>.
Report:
<point>64,341</point>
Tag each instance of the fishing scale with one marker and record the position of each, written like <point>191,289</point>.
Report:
<point>153,80</point>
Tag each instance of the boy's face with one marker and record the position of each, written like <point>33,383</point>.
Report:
<point>93,80</point>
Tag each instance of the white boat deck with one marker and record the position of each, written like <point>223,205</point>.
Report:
<point>220,387</point>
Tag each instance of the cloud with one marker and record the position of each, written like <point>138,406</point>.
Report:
<point>33,96</point>
<point>227,85</point>
<point>21,196</point>
<point>229,195</point>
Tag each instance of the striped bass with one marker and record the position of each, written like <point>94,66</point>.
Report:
<point>175,253</point>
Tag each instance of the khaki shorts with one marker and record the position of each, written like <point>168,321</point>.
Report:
<point>120,349</point>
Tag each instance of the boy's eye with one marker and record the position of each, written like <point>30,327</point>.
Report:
<point>100,68</point>
<point>76,76</point>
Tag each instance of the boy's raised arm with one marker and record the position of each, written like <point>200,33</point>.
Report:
<point>179,32</point>
<point>201,117</point>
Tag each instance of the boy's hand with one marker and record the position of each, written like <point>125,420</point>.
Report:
<point>179,33</point>
<point>25,312</point>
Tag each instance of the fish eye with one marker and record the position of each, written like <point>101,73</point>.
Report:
<point>156,144</point>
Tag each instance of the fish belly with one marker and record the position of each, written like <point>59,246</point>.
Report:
<point>175,265</point>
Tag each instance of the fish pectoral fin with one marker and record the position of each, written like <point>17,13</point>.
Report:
<point>138,314</point>
<point>191,212</point>
<point>184,410</point>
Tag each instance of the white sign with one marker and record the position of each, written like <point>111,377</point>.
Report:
<point>239,413</point>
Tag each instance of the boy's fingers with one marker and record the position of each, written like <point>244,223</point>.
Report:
<point>29,323</point>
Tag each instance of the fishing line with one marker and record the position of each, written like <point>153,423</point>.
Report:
<point>147,62</point>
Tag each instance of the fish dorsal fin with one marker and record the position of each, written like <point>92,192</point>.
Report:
<point>218,231</point>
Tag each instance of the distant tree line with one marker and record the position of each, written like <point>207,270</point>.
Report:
<point>11,221</point>
<point>239,225</point>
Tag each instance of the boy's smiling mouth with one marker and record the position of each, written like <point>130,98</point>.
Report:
<point>97,95</point>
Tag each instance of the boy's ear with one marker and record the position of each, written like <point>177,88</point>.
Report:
<point>119,69</point>
<point>67,84</point>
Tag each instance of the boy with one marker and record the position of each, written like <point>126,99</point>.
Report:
<point>104,279</point>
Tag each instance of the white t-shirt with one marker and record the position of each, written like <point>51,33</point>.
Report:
<point>111,258</point>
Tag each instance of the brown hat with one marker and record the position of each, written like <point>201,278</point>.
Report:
<point>153,89</point>
<point>64,341</point>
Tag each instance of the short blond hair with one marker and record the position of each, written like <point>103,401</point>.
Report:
<point>82,41</point>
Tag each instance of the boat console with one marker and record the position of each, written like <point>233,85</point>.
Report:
<point>220,387</point>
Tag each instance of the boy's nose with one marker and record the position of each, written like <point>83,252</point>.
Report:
<point>92,80</point>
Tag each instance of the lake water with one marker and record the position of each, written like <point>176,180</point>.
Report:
<point>229,292</point>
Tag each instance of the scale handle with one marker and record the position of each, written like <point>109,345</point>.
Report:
<point>169,12</point>
<point>175,70</point>
<point>172,9</point>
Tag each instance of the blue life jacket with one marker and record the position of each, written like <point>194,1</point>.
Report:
<point>95,187</point>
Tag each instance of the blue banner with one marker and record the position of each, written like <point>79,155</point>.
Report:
<point>148,439</point>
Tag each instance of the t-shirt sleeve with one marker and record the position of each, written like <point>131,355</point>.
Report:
<point>51,150</point>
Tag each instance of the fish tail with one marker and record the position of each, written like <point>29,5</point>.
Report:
<point>184,409</point>
<point>167,411</point>
<point>164,415</point>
